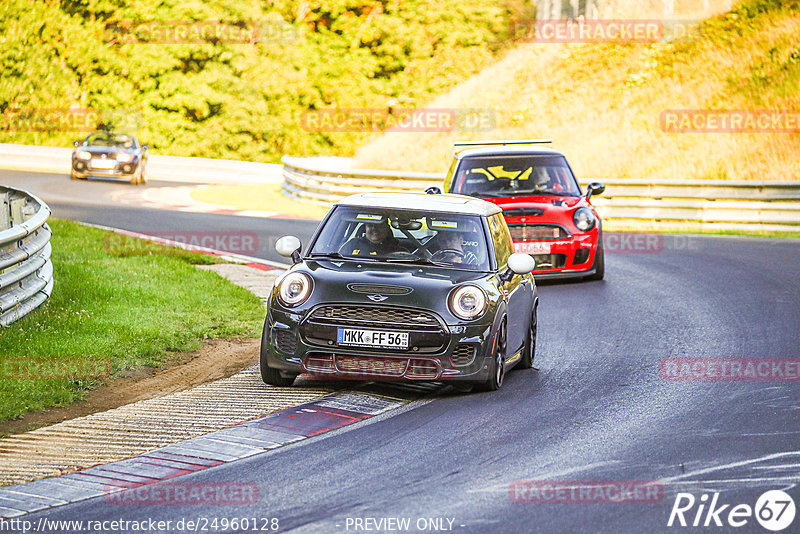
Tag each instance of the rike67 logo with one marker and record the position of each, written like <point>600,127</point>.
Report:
<point>774,510</point>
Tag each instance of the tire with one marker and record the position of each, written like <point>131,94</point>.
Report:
<point>138,178</point>
<point>270,376</point>
<point>529,353</point>
<point>142,174</point>
<point>599,263</point>
<point>497,369</point>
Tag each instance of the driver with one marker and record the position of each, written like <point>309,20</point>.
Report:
<point>377,240</point>
<point>451,249</point>
<point>543,182</point>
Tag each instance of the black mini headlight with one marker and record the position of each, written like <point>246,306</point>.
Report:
<point>294,289</point>
<point>468,302</point>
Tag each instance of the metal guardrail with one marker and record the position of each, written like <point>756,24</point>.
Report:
<point>328,179</point>
<point>664,204</point>
<point>26,272</point>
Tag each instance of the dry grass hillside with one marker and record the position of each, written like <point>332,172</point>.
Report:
<point>601,103</point>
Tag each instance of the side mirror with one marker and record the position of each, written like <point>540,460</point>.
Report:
<point>145,147</point>
<point>289,246</point>
<point>433,191</point>
<point>518,264</point>
<point>76,144</point>
<point>594,188</point>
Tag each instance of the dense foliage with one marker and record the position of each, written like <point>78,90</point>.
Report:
<point>191,78</point>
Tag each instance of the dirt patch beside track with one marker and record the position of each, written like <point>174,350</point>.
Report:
<point>217,359</point>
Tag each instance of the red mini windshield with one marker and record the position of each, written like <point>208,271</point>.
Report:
<point>505,176</point>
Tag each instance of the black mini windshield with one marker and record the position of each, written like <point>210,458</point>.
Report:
<point>403,236</point>
<point>111,139</point>
<point>505,176</point>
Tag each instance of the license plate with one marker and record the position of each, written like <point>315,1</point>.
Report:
<point>532,248</point>
<point>103,163</point>
<point>372,338</point>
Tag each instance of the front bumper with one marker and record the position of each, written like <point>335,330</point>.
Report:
<point>294,345</point>
<point>566,258</point>
<point>84,169</point>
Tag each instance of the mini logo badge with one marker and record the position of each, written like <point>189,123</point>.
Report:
<point>377,298</point>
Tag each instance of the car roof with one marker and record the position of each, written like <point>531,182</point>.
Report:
<point>444,203</point>
<point>507,150</point>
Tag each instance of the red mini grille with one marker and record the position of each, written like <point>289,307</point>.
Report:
<point>550,261</point>
<point>536,232</point>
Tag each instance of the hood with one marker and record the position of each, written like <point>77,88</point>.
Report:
<point>387,284</point>
<point>534,206</point>
<point>107,150</point>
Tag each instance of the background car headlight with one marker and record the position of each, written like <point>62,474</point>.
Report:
<point>584,219</point>
<point>294,289</point>
<point>122,156</point>
<point>83,154</point>
<point>468,302</point>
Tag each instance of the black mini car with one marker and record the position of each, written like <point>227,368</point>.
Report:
<point>403,286</point>
<point>109,155</point>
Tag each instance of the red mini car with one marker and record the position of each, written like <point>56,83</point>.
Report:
<point>548,215</point>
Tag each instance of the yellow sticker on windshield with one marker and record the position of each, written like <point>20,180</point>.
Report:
<point>444,224</point>
<point>369,217</point>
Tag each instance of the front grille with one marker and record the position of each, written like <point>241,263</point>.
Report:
<point>371,289</point>
<point>285,340</point>
<point>370,315</point>
<point>422,369</point>
<point>550,261</point>
<point>537,232</point>
<point>463,355</point>
<point>371,366</point>
<point>523,212</point>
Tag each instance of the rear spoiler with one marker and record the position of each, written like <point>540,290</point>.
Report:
<point>521,142</point>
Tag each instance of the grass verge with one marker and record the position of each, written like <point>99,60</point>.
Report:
<point>126,307</point>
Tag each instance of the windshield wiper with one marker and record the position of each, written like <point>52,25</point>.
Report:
<point>337,256</point>
<point>419,261</point>
<point>518,194</point>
